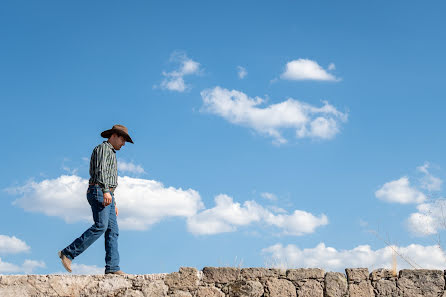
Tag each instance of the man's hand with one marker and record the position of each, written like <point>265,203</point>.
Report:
<point>107,199</point>
<point>116,210</point>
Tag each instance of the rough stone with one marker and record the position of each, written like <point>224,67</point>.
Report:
<point>209,292</point>
<point>305,273</point>
<point>362,289</point>
<point>385,288</point>
<point>155,289</point>
<point>186,279</point>
<point>382,273</point>
<point>356,275</point>
<point>260,273</point>
<point>310,288</point>
<point>243,288</point>
<point>180,294</point>
<point>220,274</point>
<point>280,288</point>
<point>335,284</point>
<point>420,282</point>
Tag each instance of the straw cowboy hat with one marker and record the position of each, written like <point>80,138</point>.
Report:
<point>120,130</point>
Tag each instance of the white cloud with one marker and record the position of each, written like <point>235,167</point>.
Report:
<point>332,66</point>
<point>174,80</point>
<point>86,269</point>
<point>304,69</point>
<point>430,218</point>
<point>141,202</point>
<point>27,267</point>
<point>241,71</point>
<point>331,259</point>
<point>400,191</point>
<point>269,196</point>
<point>12,245</point>
<point>429,182</point>
<point>130,167</point>
<point>227,215</point>
<point>307,120</point>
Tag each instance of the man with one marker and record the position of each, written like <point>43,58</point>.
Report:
<point>102,184</point>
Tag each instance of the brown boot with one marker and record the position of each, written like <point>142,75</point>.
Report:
<point>119,272</point>
<point>65,261</point>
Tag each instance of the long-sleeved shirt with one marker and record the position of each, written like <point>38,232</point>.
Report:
<point>104,167</point>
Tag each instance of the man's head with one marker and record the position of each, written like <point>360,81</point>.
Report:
<point>117,141</point>
<point>117,136</point>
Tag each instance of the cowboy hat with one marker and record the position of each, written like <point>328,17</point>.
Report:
<point>120,130</point>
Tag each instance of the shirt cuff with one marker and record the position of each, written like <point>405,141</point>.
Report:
<point>105,190</point>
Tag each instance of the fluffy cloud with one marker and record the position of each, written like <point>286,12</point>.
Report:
<point>227,215</point>
<point>429,219</point>
<point>86,269</point>
<point>174,80</point>
<point>269,196</point>
<point>304,69</point>
<point>400,191</point>
<point>130,167</point>
<point>241,71</point>
<point>307,120</point>
<point>428,181</point>
<point>331,259</point>
<point>27,267</point>
<point>141,202</point>
<point>12,245</point>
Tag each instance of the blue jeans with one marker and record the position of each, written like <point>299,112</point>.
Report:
<point>104,222</point>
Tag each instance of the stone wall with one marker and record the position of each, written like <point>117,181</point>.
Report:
<point>233,282</point>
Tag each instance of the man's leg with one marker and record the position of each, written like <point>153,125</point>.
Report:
<point>100,216</point>
<point>111,241</point>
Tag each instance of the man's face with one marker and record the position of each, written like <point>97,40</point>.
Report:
<point>117,141</point>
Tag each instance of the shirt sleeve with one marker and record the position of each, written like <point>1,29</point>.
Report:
<point>99,159</point>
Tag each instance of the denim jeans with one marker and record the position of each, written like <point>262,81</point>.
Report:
<point>104,222</point>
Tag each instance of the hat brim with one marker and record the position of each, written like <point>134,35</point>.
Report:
<point>109,133</point>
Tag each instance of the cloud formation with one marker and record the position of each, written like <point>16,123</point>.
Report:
<point>331,259</point>
<point>27,267</point>
<point>428,181</point>
<point>12,245</point>
<point>241,71</point>
<point>400,191</point>
<point>307,120</point>
<point>227,215</point>
<point>130,167</point>
<point>174,80</point>
<point>304,69</point>
<point>143,203</point>
<point>429,219</point>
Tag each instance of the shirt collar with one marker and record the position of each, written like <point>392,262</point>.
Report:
<point>110,146</point>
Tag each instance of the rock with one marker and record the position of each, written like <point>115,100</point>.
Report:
<point>155,289</point>
<point>385,288</point>
<point>280,288</point>
<point>382,273</point>
<point>362,289</point>
<point>244,288</point>
<point>186,279</point>
<point>335,284</point>
<point>180,294</point>
<point>260,273</point>
<point>209,292</point>
<point>421,282</point>
<point>310,288</point>
<point>305,273</point>
<point>220,274</point>
<point>356,275</point>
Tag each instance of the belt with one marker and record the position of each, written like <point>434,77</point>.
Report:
<point>111,189</point>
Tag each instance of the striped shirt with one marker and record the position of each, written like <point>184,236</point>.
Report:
<point>103,167</point>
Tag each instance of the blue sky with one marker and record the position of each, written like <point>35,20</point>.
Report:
<point>289,134</point>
